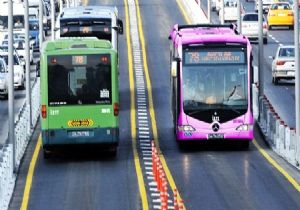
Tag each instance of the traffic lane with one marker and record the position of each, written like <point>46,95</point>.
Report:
<point>283,94</point>
<point>215,176</point>
<point>20,96</point>
<point>75,182</point>
<point>232,179</point>
<point>85,182</point>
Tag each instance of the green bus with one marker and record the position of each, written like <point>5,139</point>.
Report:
<point>79,94</point>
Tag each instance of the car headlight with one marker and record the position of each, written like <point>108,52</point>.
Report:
<point>244,127</point>
<point>186,128</point>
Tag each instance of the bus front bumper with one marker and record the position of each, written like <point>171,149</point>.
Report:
<point>236,135</point>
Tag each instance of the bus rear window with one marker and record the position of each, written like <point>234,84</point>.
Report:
<point>79,79</point>
<point>96,27</point>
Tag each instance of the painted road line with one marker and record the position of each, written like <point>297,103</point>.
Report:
<point>151,104</point>
<point>137,164</point>
<point>277,166</point>
<point>30,174</point>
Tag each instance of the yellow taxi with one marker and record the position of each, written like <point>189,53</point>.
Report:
<point>281,14</point>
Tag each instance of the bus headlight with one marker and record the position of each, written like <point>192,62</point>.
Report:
<point>186,128</point>
<point>244,127</point>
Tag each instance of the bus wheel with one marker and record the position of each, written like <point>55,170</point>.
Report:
<point>244,145</point>
<point>47,154</point>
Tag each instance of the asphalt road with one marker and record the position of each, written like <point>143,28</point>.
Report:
<point>208,175</point>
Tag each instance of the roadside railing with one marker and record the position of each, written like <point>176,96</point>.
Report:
<point>280,137</point>
<point>23,133</point>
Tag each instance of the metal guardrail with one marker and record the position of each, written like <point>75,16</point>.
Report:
<point>23,132</point>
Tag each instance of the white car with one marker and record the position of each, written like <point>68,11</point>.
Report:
<point>19,75</point>
<point>3,78</point>
<point>283,65</point>
<point>250,27</point>
<point>19,45</point>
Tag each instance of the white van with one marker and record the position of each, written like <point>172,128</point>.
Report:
<point>90,21</point>
<point>18,18</point>
<point>231,11</point>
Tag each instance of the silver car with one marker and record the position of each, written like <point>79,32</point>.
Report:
<point>250,27</point>
<point>283,65</point>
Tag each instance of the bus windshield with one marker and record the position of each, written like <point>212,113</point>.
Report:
<point>215,79</point>
<point>79,79</point>
<point>91,27</point>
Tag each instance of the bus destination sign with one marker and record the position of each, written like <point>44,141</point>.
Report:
<point>215,57</point>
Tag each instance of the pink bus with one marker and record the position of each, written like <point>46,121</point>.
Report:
<point>211,77</point>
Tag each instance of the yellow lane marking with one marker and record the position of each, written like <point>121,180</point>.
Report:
<point>30,174</point>
<point>277,166</point>
<point>150,97</point>
<point>137,163</point>
<point>185,15</point>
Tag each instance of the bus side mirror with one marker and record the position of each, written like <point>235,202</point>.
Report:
<point>120,26</point>
<point>174,68</point>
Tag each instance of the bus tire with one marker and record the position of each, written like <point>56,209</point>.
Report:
<point>244,145</point>
<point>47,154</point>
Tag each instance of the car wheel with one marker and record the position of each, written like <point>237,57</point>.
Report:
<point>269,27</point>
<point>22,87</point>
<point>291,27</point>
<point>46,32</point>
<point>275,80</point>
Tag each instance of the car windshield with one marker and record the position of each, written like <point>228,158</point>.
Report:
<point>5,57</point>
<point>286,52</point>
<point>280,6</point>
<point>33,26</point>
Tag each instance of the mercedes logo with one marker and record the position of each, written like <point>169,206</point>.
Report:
<point>215,127</point>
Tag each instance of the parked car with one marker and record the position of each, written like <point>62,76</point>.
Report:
<point>283,65</point>
<point>281,14</point>
<point>250,27</point>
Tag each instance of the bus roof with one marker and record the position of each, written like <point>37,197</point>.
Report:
<point>75,43</point>
<point>89,11</point>
<point>203,33</point>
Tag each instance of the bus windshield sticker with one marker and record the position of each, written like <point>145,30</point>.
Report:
<point>104,93</point>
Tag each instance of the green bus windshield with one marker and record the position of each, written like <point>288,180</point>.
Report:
<point>79,79</point>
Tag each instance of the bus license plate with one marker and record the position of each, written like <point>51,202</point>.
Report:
<point>80,134</point>
<point>216,136</point>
